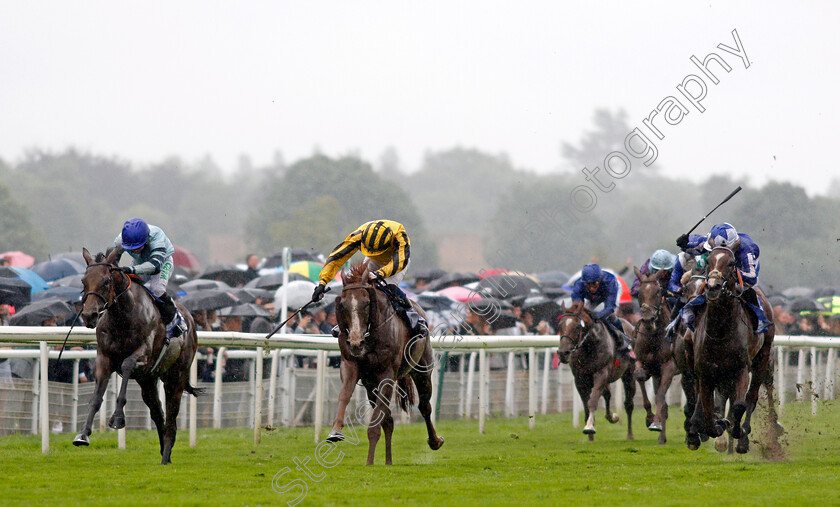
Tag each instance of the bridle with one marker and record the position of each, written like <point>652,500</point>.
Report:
<point>111,299</point>
<point>656,308</point>
<point>372,312</point>
<point>715,274</point>
<point>575,344</point>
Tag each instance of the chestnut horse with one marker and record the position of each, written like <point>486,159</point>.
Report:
<point>726,352</point>
<point>654,357</point>
<point>377,347</point>
<point>587,347</point>
<point>131,340</point>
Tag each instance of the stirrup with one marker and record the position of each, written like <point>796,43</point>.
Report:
<point>177,327</point>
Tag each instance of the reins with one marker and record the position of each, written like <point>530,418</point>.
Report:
<point>373,308</point>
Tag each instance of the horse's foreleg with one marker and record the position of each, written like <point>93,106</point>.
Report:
<point>629,394</point>
<point>148,387</point>
<point>667,372</point>
<point>641,376</point>
<point>381,411</point>
<point>102,374</point>
<point>349,377</point>
<point>174,388</point>
<point>117,419</point>
<point>739,405</point>
<point>599,383</point>
<point>423,382</point>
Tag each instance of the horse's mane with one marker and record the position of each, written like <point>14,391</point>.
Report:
<point>100,257</point>
<point>356,274</point>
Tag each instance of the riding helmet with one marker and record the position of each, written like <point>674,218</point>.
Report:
<point>662,259</point>
<point>591,273</point>
<point>722,235</point>
<point>135,233</point>
<point>376,238</point>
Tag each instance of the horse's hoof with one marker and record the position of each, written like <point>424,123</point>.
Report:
<point>335,436</point>
<point>81,440</point>
<point>655,427</point>
<point>692,441</point>
<point>743,449</point>
<point>721,443</point>
<point>116,423</point>
<point>589,430</point>
<point>435,444</point>
<point>613,418</point>
<point>704,437</point>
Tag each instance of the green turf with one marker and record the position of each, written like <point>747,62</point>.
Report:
<point>552,465</point>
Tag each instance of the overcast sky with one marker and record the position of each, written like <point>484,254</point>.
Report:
<point>144,80</point>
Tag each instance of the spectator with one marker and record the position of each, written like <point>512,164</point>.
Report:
<point>235,369</point>
<point>251,272</point>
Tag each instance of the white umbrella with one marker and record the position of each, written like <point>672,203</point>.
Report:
<point>298,293</point>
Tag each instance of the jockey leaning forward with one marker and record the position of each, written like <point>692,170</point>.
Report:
<point>746,262</point>
<point>661,260</point>
<point>151,258</point>
<point>387,248</point>
<point>601,287</point>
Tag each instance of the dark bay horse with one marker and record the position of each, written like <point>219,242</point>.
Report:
<point>587,347</point>
<point>728,355</point>
<point>654,357</point>
<point>694,283</point>
<point>377,347</point>
<point>130,339</point>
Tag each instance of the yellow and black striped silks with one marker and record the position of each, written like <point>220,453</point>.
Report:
<point>384,241</point>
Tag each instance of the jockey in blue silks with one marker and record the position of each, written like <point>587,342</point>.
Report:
<point>746,262</point>
<point>600,287</point>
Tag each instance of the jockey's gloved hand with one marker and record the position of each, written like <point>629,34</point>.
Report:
<point>682,241</point>
<point>129,270</point>
<point>318,293</point>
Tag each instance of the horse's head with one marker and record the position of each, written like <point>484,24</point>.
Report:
<point>98,285</point>
<point>572,326</point>
<point>651,294</point>
<point>356,308</point>
<point>720,271</point>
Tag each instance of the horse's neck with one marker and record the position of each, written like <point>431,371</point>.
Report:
<point>719,313</point>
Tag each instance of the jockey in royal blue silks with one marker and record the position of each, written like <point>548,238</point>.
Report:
<point>600,287</point>
<point>746,262</point>
<point>151,254</point>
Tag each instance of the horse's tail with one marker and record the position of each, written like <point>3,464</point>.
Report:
<point>406,393</point>
<point>195,391</point>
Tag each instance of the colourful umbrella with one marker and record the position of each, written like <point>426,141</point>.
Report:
<point>18,259</point>
<point>185,258</point>
<point>308,269</point>
<point>461,294</point>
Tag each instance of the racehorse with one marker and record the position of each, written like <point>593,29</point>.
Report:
<point>131,340</point>
<point>377,347</point>
<point>726,352</point>
<point>654,357</point>
<point>587,347</point>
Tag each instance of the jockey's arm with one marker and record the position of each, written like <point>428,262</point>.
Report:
<point>747,265</point>
<point>610,302</point>
<point>674,284</point>
<point>153,265</point>
<point>340,255</point>
<point>398,259</point>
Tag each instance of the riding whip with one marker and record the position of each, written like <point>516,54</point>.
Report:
<point>326,289</point>
<point>713,209</point>
<point>68,333</point>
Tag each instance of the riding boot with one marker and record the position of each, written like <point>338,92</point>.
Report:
<point>749,295</point>
<point>176,325</point>
<point>688,317</point>
<point>415,322</point>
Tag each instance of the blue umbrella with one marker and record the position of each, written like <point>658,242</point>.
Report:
<point>68,294</point>
<point>58,268</point>
<point>27,275</point>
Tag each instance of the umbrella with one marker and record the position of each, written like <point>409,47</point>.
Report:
<point>208,299</point>
<point>560,277</point>
<point>69,281</point>
<point>298,293</point>
<point>68,294</point>
<point>185,258</point>
<point>245,310</point>
<point>623,289</point>
<point>295,254</point>
<point>14,291</point>
<point>428,274</point>
<point>542,307</point>
<point>798,292</point>
<point>274,280</point>
<point>309,269</point>
<point>507,285</point>
<point>452,280</point>
<point>434,302</point>
<point>73,256</point>
<point>227,273</point>
<point>484,273</point>
<point>17,258</point>
<point>806,305</point>
<point>488,306</point>
<point>30,277</point>
<point>36,313</point>
<point>461,294</point>
<point>502,319</point>
<point>827,292</point>
<point>201,284</point>
<point>58,268</point>
<point>248,295</point>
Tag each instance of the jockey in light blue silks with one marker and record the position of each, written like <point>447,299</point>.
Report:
<point>746,262</point>
<point>601,287</point>
<point>151,254</point>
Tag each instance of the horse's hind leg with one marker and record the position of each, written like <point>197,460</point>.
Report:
<point>423,383</point>
<point>609,415</point>
<point>641,377</point>
<point>148,387</point>
<point>380,397</point>
<point>102,373</point>
<point>762,374</point>
<point>174,389</point>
